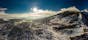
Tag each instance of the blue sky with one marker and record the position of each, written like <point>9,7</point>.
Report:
<point>22,6</point>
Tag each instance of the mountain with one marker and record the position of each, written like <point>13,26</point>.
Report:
<point>67,24</point>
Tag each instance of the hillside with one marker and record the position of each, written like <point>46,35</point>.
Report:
<point>67,24</point>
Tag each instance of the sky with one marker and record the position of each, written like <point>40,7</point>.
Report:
<point>23,6</point>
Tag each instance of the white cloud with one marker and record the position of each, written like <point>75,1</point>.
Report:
<point>85,10</point>
<point>69,9</point>
<point>35,14</point>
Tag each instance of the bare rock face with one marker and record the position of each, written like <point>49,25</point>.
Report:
<point>66,25</point>
<point>80,37</point>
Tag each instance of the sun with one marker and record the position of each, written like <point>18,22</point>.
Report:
<point>35,9</point>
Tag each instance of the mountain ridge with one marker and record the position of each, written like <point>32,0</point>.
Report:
<point>65,25</point>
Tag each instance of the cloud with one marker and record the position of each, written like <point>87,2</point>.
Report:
<point>69,9</point>
<point>35,14</point>
<point>85,10</point>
